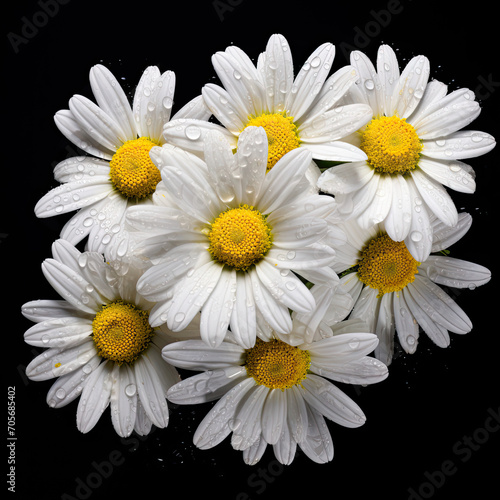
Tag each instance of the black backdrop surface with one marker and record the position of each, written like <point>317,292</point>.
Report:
<point>433,427</point>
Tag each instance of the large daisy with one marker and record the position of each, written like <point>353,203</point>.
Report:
<point>275,393</point>
<point>117,171</point>
<point>231,237</point>
<point>100,344</point>
<point>395,293</point>
<point>414,145</point>
<point>295,110</point>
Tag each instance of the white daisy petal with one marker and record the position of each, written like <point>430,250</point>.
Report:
<point>68,387</point>
<point>188,300</point>
<point>80,167</point>
<point>216,314</point>
<point>71,286</point>
<point>296,414</point>
<point>452,174</point>
<point>367,82</point>
<point>406,325</point>
<point>222,105</point>
<point>190,133</point>
<point>112,99</point>
<point>195,109</point>
<point>182,354</point>
<point>455,273</point>
<point>288,290</point>
<point>434,91</point>
<point>278,72</point>
<point>443,309</point>
<point>445,236</point>
<point>96,122</point>
<point>46,310</point>
<point>123,400</point>
<point>239,77</point>
<point>385,329</point>
<point>215,427</point>
<point>436,197</point>
<point>306,230</point>
<point>143,423</point>
<point>334,151</point>
<point>285,448</point>
<point>248,425</point>
<point>460,145</point>
<point>420,235</point>
<point>58,332</point>
<point>410,87</point>
<point>318,445</point>
<point>151,392</point>
<point>367,370</point>
<point>345,178</point>
<point>388,74</point>
<point>275,314</point>
<point>398,220</point>
<point>243,317</point>
<point>381,204</point>
<point>73,196</point>
<point>315,255</point>
<point>274,415</point>
<point>342,347</point>
<point>309,80</point>
<point>95,397</point>
<point>71,129</point>
<point>446,116</point>
<point>56,362</point>
<point>206,386</point>
<point>331,402</point>
<point>437,333</point>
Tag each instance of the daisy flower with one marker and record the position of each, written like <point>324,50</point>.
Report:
<point>117,171</point>
<point>414,145</point>
<point>393,292</point>
<point>100,344</point>
<point>295,110</point>
<point>275,393</point>
<point>230,238</point>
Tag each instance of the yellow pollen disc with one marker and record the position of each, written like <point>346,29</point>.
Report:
<point>391,144</point>
<point>121,332</point>
<point>239,237</point>
<point>276,364</point>
<point>132,172</point>
<point>282,135</point>
<point>386,265</point>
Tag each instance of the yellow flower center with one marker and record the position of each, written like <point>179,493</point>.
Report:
<point>386,265</point>
<point>282,135</point>
<point>121,332</point>
<point>276,364</point>
<point>391,144</point>
<point>240,237</point>
<point>132,172</point>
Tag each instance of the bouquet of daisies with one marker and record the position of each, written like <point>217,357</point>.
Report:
<point>276,234</point>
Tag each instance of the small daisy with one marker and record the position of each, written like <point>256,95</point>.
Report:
<point>230,238</point>
<point>414,145</point>
<point>393,292</point>
<point>100,344</point>
<point>117,172</point>
<point>275,393</point>
<point>296,111</point>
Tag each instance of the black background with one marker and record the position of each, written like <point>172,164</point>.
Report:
<point>433,413</point>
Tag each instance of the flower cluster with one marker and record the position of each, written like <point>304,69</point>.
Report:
<point>278,233</point>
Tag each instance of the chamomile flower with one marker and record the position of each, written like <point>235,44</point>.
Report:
<point>394,293</point>
<point>414,145</point>
<point>295,110</point>
<point>274,393</point>
<point>231,237</point>
<point>99,344</point>
<point>117,171</point>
